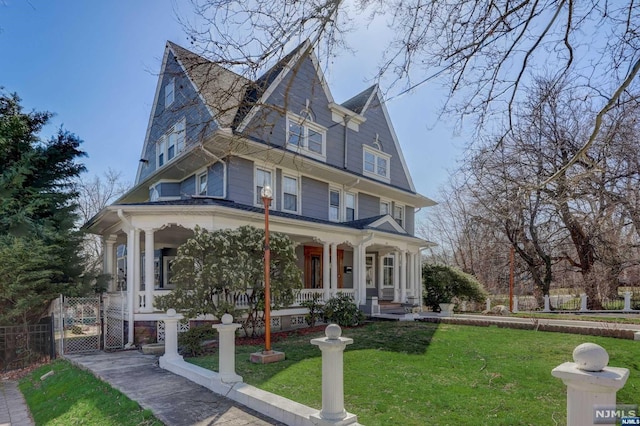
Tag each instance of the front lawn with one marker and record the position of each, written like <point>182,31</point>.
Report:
<point>438,374</point>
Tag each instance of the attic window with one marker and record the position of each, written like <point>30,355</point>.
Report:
<point>376,163</point>
<point>171,143</point>
<point>306,137</point>
<point>169,92</point>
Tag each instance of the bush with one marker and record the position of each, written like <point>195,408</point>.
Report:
<point>342,310</point>
<point>316,309</point>
<point>190,341</point>
<point>444,284</point>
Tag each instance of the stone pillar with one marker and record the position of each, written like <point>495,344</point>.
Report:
<point>326,272</point>
<point>149,270</point>
<point>627,301</point>
<point>227,349</point>
<point>171,337</point>
<point>583,302</point>
<point>547,304</point>
<point>515,304</point>
<point>488,307</point>
<point>402,264</point>
<point>334,269</point>
<point>332,347</point>
<point>591,385</point>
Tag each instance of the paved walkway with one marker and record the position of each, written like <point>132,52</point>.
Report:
<point>13,408</point>
<point>174,400</point>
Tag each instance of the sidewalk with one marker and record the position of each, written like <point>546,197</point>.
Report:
<point>13,408</point>
<point>174,400</point>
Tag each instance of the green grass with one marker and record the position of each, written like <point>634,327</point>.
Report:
<point>423,373</point>
<point>72,396</point>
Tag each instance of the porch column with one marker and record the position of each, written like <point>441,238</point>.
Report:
<point>419,286</point>
<point>403,275</point>
<point>359,273</point>
<point>396,276</point>
<point>108,243</point>
<point>334,269</point>
<point>149,272</point>
<point>131,237</point>
<point>135,271</point>
<point>326,272</point>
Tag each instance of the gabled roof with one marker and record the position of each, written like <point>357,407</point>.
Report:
<point>360,102</point>
<point>222,90</point>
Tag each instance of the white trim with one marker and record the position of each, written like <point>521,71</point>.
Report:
<point>255,184</point>
<point>389,205</point>
<point>202,172</point>
<point>403,219</point>
<point>377,154</point>
<point>306,125</point>
<point>340,203</point>
<point>297,178</point>
<point>178,128</point>
<point>391,221</point>
<point>355,205</point>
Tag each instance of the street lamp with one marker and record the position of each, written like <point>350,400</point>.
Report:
<point>266,195</point>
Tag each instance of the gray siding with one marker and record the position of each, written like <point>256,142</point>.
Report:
<point>279,184</point>
<point>187,104</point>
<point>368,206</point>
<point>215,180</point>
<point>240,180</point>
<point>188,186</point>
<point>168,189</point>
<point>387,227</point>
<point>315,198</point>
<point>410,219</point>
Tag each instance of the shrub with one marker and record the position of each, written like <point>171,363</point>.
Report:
<point>342,310</point>
<point>316,309</point>
<point>445,284</point>
<point>190,341</point>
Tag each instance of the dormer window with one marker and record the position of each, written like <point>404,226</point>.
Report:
<point>305,136</point>
<point>169,92</point>
<point>376,164</point>
<point>171,143</point>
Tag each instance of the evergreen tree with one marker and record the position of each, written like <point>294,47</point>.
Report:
<point>39,243</point>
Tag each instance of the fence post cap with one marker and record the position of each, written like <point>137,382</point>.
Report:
<point>171,312</point>
<point>590,357</point>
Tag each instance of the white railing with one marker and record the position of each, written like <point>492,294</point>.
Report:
<point>308,294</point>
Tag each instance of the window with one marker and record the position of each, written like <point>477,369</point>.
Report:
<point>289,194</point>
<point>201,181</point>
<point>384,207</point>
<point>334,205</point>
<point>376,163</point>
<point>398,214</point>
<point>349,206</point>
<point>387,271</point>
<point>171,143</point>
<point>169,93</point>
<point>305,136</point>
<point>262,178</point>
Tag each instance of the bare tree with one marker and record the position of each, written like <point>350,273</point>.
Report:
<point>487,51</point>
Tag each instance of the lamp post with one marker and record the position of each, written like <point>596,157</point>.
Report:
<point>266,195</point>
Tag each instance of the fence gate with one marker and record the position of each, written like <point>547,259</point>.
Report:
<point>80,321</point>
<point>114,313</point>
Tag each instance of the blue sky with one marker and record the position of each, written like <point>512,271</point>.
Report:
<point>95,64</point>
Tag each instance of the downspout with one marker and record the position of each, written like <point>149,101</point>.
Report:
<point>130,316</point>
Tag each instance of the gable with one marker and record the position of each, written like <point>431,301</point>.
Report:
<point>187,108</point>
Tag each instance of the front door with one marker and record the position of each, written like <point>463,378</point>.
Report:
<point>313,267</point>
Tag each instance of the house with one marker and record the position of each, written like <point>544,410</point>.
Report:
<point>341,187</point>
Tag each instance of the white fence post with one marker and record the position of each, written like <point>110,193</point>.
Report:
<point>627,301</point>
<point>488,304</point>
<point>332,347</point>
<point>227,348</point>
<point>591,385</point>
<point>547,304</point>
<point>171,337</point>
<point>583,302</point>
<point>515,304</point>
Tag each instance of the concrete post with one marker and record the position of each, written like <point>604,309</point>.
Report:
<point>488,304</point>
<point>547,304</point>
<point>583,302</point>
<point>171,337</point>
<point>627,301</point>
<point>515,304</point>
<point>332,347</point>
<point>227,348</point>
<point>591,385</point>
